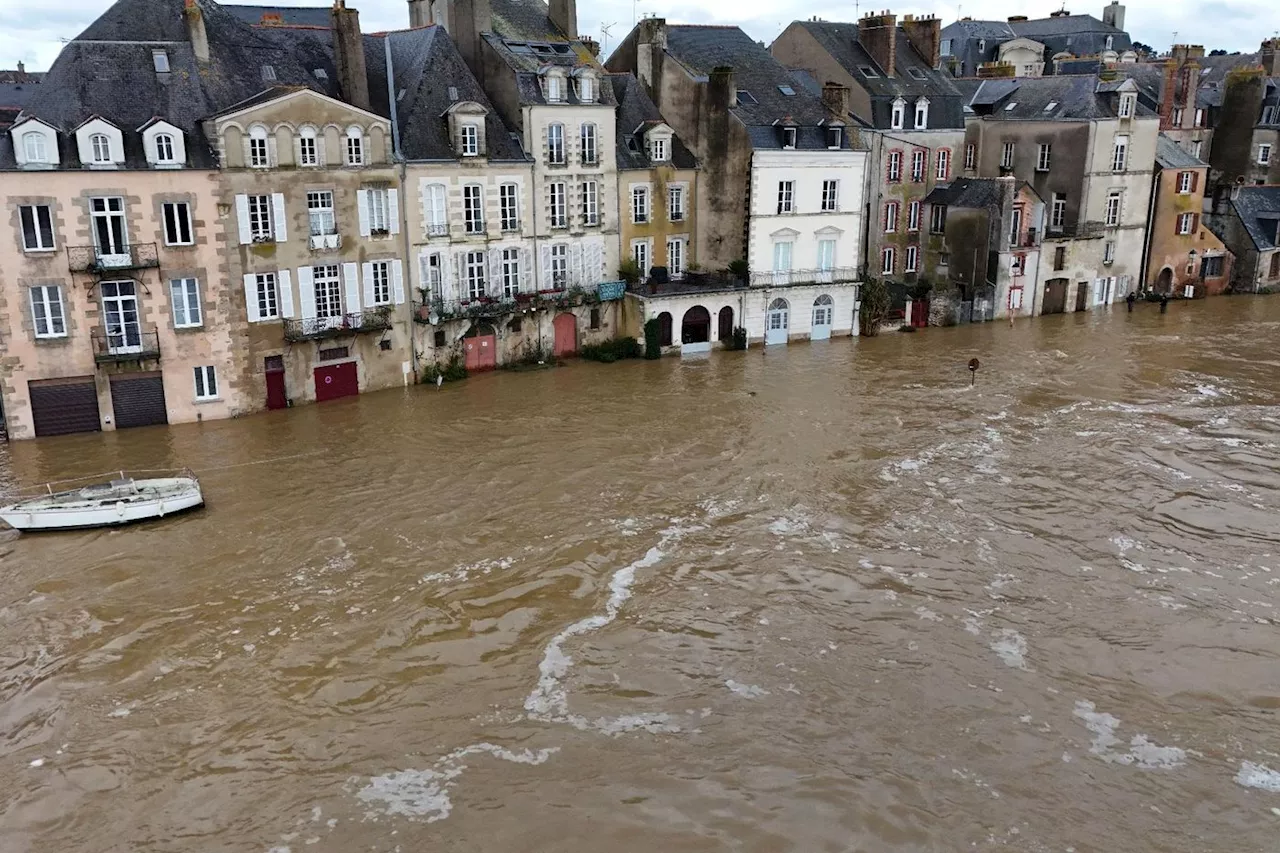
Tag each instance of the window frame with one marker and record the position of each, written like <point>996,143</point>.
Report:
<point>913,216</point>
<point>36,230</point>
<point>970,156</point>
<point>640,207</point>
<point>1008,152</point>
<point>509,206</point>
<point>184,294</point>
<point>830,195</point>
<point>942,164</point>
<point>895,167</point>
<point>897,114</point>
<point>473,209</point>
<point>555,145</point>
<point>307,139</point>
<point>470,139</point>
<point>589,140</point>
<point>921,114</point>
<point>164,147</point>
<point>205,382</point>
<point>937,219</point>
<point>676,270</point>
<point>34,139</point>
<point>169,216</point>
<point>475,274</point>
<point>1058,211</point>
<point>44,304</point>
<point>100,149</point>
<point>891,217</point>
<point>1120,152</point>
<point>675,203</point>
<point>910,262</point>
<point>659,149</point>
<point>509,268</point>
<point>1044,156</point>
<point>786,197</point>
<point>590,203</point>
<point>1264,154</point>
<point>1184,182</point>
<point>558,204</point>
<point>266,291</point>
<point>1186,224</point>
<point>355,148</point>
<point>316,212</point>
<point>559,269</point>
<point>265,217</point>
<point>919,165</point>
<point>378,199</point>
<point>380,274</point>
<point>1112,210</point>
<point>259,149</point>
<point>888,260</point>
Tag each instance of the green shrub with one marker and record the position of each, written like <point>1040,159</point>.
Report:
<point>454,371</point>
<point>1268,290</point>
<point>739,269</point>
<point>611,351</point>
<point>875,306</point>
<point>739,338</point>
<point>652,338</point>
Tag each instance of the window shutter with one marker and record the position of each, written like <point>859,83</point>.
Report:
<point>546,267</point>
<point>1195,180</point>
<point>595,260</point>
<point>272,158</point>
<point>351,276</point>
<point>280,217</point>
<point>297,150</point>
<point>251,296</point>
<point>362,211</point>
<point>244,143</point>
<point>285,287</point>
<point>366,271</point>
<point>495,271</point>
<point>393,210</point>
<point>526,270</point>
<point>242,219</point>
<point>575,263</point>
<point>1195,222</point>
<point>459,271</point>
<point>397,281</point>
<point>307,293</point>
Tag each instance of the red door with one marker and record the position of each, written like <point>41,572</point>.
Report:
<point>276,398</point>
<point>566,327</point>
<point>919,313</point>
<point>336,380</point>
<point>481,352</point>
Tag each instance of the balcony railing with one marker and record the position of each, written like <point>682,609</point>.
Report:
<point>94,260</point>
<point>791,278</point>
<point>1077,230</point>
<point>326,242</point>
<point>1029,240</point>
<point>125,345</point>
<point>318,328</point>
<point>482,307</point>
<point>441,230</point>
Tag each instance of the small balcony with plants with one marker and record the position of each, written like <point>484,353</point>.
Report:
<point>355,323</point>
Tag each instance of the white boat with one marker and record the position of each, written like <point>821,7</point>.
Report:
<point>104,501</point>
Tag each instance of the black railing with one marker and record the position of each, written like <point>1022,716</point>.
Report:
<point>127,345</point>
<point>94,260</point>
<point>319,328</point>
<point>436,310</point>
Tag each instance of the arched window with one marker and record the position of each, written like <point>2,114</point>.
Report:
<point>355,146</point>
<point>823,309</point>
<point>33,145</point>
<point>164,148</point>
<point>258,156</point>
<point>308,149</point>
<point>100,146</point>
<point>898,116</point>
<point>555,87</point>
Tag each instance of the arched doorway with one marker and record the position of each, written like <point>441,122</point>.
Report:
<point>823,311</point>
<point>480,347</point>
<point>1164,283</point>
<point>664,329</point>
<point>777,322</point>
<point>566,334</point>
<point>695,330</point>
<point>725,324</point>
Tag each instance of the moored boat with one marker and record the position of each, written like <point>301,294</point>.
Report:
<point>104,501</point>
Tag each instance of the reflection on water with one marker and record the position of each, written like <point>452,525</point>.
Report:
<point>823,597</point>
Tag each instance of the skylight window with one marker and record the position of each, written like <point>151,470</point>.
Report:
<point>1050,107</point>
<point>786,90</point>
<point>745,97</point>
<point>160,59</point>
<point>1012,104</point>
<point>868,72</point>
<point>321,74</point>
<point>268,72</point>
<point>916,73</point>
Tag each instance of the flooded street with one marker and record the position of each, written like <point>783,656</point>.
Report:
<point>826,597</point>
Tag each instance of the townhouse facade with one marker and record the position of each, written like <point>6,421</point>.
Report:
<point>1247,220</point>
<point>1184,257</point>
<point>1246,141</point>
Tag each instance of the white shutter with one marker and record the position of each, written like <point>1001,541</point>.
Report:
<point>362,211</point>
<point>297,150</point>
<point>495,272</point>
<point>242,219</point>
<point>307,293</point>
<point>285,287</point>
<point>280,217</point>
<point>459,270</point>
<point>351,276</point>
<point>251,296</point>
<point>397,281</point>
<point>546,268</point>
<point>526,270</point>
<point>393,211</point>
<point>575,265</point>
<point>320,148</point>
<point>595,260</point>
<point>366,272</point>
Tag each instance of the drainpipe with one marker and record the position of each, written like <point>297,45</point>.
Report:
<point>402,169</point>
<point>1146,237</point>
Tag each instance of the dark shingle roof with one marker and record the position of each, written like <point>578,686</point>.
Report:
<point>636,112</point>
<point>1171,155</point>
<point>1030,98</point>
<point>1078,35</point>
<point>968,192</point>
<point>523,19</point>
<point>298,16</point>
<point>1259,210</point>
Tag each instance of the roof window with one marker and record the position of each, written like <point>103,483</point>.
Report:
<point>1012,105</point>
<point>160,59</point>
<point>916,73</point>
<point>269,73</point>
<point>745,97</point>
<point>786,90</point>
<point>321,74</point>
<point>1050,107</point>
<point>453,93</point>
<point>868,72</point>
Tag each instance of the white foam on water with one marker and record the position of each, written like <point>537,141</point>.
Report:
<point>122,711</point>
<point>1209,391</point>
<point>1141,753</point>
<point>927,614</point>
<point>1259,776</point>
<point>746,691</point>
<point>787,526</point>
<point>36,762</point>
<point>1012,648</point>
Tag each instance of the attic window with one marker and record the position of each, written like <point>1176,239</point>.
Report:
<point>916,73</point>
<point>1051,106</point>
<point>160,59</point>
<point>632,146</point>
<point>321,74</point>
<point>745,97</point>
<point>519,47</point>
<point>788,137</point>
<point>1012,105</point>
<point>786,90</point>
<point>269,72</point>
<point>868,72</point>
<point>835,137</point>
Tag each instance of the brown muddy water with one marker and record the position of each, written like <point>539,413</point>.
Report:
<point>822,598</point>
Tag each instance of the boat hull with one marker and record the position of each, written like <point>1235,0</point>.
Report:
<point>37,515</point>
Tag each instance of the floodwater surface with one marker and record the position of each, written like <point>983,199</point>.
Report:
<point>825,597</point>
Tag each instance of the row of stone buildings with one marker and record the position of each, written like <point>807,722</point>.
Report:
<point>221,208</point>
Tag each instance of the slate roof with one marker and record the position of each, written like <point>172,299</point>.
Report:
<point>1259,210</point>
<point>20,75</point>
<point>636,112</point>
<point>1074,97</point>
<point>1079,35</point>
<point>967,192</point>
<point>524,19</point>
<point>297,16</point>
<point>1171,155</point>
<point>701,49</point>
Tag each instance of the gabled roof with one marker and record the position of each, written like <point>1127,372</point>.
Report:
<point>1171,155</point>
<point>280,93</point>
<point>1076,97</point>
<point>1259,211</point>
<point>636,114</point>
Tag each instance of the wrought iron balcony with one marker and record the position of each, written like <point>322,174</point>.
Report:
<point>91,259</point>
<point>319,328</point>
<point>134,344</point>
<point>441,230</point>
<point>440,309</point>
<point>792,278</point>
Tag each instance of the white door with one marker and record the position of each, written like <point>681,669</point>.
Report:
<point>777,321</point>
<point>120,316</point>
<point>110,238</point>
<point>823,310</point>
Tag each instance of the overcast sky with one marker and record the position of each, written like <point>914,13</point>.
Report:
<point>32,32</point>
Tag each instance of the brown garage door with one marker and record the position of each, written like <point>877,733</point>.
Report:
<point>61,406</point>
<point>138,400</point>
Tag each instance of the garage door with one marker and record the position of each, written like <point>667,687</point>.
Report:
<point>61,406</point>
<point>138,400</point>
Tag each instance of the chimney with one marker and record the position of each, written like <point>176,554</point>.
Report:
<point>1269,57</point>
<point>877,33</point>
<point>836,98</point>
<point>419,13</point>
<point>22,68</point>
<point>195,30</point>
<point>651,47</point>
<point>925,35</point>
<point>348,49</point>
<point>1167,94</point>
<point>564,15</point>
<point>721,92</point>
<point>1114,15</point>
<point>592,46</point>
<point>1017,19</point>
<point>468,21</point>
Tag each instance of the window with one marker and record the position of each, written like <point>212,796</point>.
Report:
<point>890,217</point>
<point>328,291</point>
<point>835,137</point>
<point>1199,118</point>
<point>595,318</point>
<point>1184,182</point>
<point>675,203</point>
<point>937,218</point>
<point>37,227</point>
<point>100,145</point>
<point>206,383</point>
<point>509,206</point>
<point>922,114</point>
<point>160,61</point>
<point>586,89</point>
<point>945,50</point>
<point>379,211</point>
<point>1264,154</point>
<point>434,205</point>
<point>639,204</point>
<point>1275,265</point>
<point>264,293</point>
<point>888,260</point>
<point>46,311</point>
<point>1186,223</point>
<point>473,271</point>
<point>640,254</point>
<point>913,253</point>
<point>510,272</point>
<point>590,155</point>
<point>164,148</point>
<point>560,266</point>
<point>830,195</point>
<point>1196,146</point>
<point>971,156</point>
<point>259,157</point>
<point>556,198</point>
<point>1177,116</point>
<point>1113,208</point>
<point>109,234</point>
<point>1211,267</point>
<point>177,223</point>
<point>745,98</point>
<point>380,279</point>
<point>1120,153</point>
<point>895,166</point>
<point>942,164</point>
<point>1051,106</point>
<point>1018,265</point>
<point>786,90</point>
<point>788,137</point>
<point>185,297</point>
<point>658,150</point>
<point>1108,252</point>
<point>308,155</point>
<point>470,140</point>
<point>473,208</point>
<point>355,147</point>
<point>435,277</point>
<point>675,257</point>
<point>1126,105</point>
<point>320,213</point>
<point>782,256</point>
<point>896,117</point>
<point>913,216</point>
<point>555,88</point>
<point>1015,226</point>
<point>555,144</point>
<point>260,219</point>
<point>1268,115</point>
<point>1110,42</point>
<point>1059,258</point>
<point>917,165</point>
<point>334,353</point>
<point>33,145</point>
<point>1043,153</point>
<point>590,203</point>
<point>826,255</point>
<point>1006,156</point>
<point>1058,211</point>
<point>786,196</point>
<point>268,73</point>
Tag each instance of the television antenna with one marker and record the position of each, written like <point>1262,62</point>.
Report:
<point>604,36</point>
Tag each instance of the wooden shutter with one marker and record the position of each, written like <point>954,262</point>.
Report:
<point>251,296</point>
<point>307,293</point>
<point>285,287</point>
<point>495,272</point>
<point>351,277</point>
<point>362,211</point>
<point>242,219</point>
<point>547,283</point>
<point>397,281</point>
<point>393,210</point>
<point>366,273</point>
<point>280,217</point>
<point>1195,181</point>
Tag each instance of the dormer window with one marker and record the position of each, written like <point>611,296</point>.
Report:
<point>898,115</point>
<point>555,88</point>
<point>586,89</point>
<point>162,143</point>
<point>1110,42</point>
<point>258,157</point>
<point>922,114</point>
<point>355,146</point>
<point>470,140</point>
<point>1126,105</point>
<point>33,146</point>
<point>835,137</point>
<point>164,148</point>
<point>659,149</point>
<point>788,137</point>
<point>100,145</point>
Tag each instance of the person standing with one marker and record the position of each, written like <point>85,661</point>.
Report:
<point>1130,299</point>
<point>1164,303</point>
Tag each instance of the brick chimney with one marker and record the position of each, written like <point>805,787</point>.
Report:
<point>836,98</point>
<point>195,30</point>
<point>877,33</point>
<point>1168,94</point>
<point>564,14</point>
<point>1269,57</point>
<point>348,50</point>
<point>925,35</point>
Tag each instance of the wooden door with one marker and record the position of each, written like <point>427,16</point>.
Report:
<point>1082,296</point>
<point>566,332</point>
<point>481,352</point>
<point>336,380</point>
<point>276,396</point>
<point>1055,296</point>
<point>919,313</point>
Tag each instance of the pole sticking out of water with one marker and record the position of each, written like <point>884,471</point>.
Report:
<point>974,364</point>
